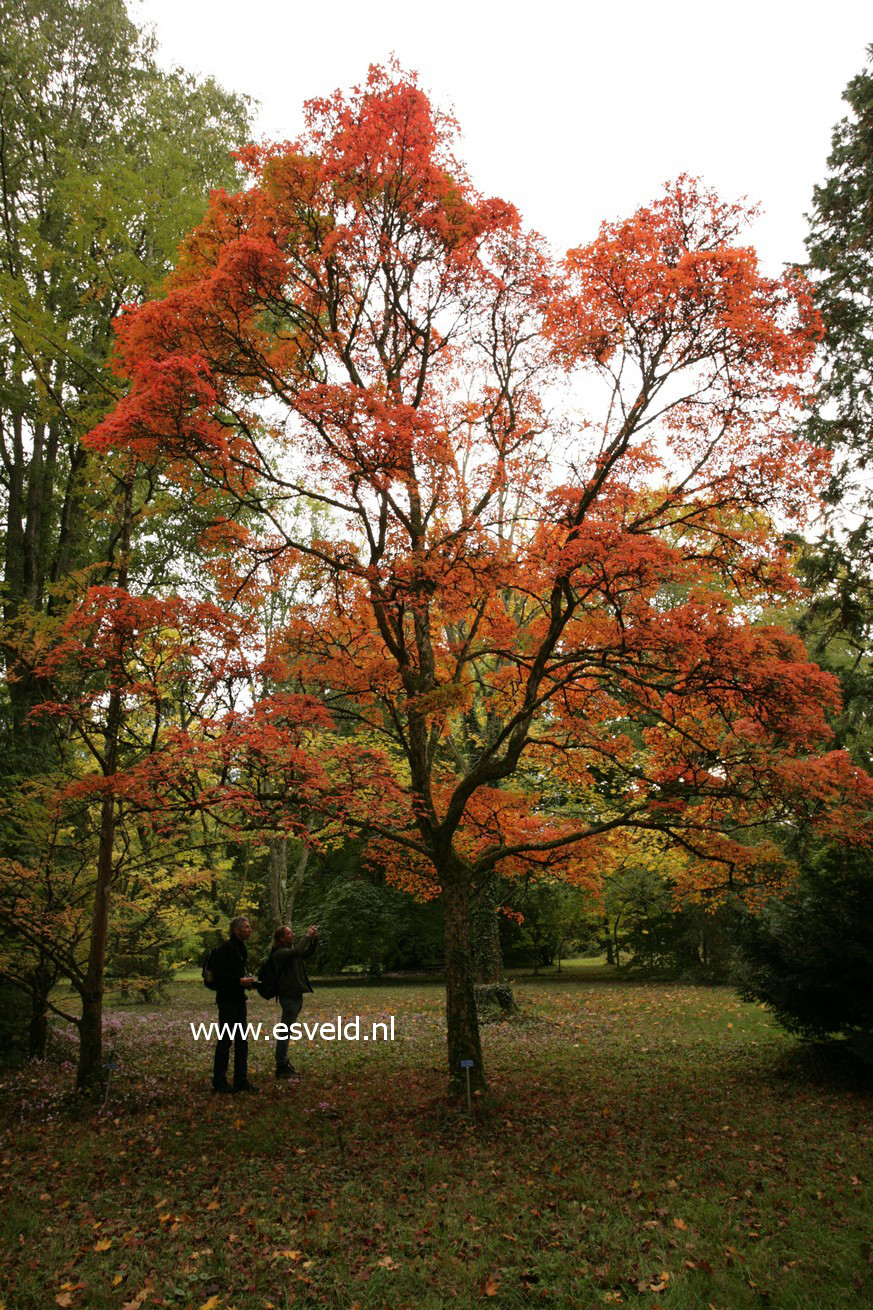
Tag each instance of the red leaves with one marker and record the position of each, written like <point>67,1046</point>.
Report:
<point>167,412</point>
<point>668,303</point>
<point>143,643</point>
<point>673,281</point>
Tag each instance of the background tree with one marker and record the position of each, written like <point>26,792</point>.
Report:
<point>840,245</point>
<point>809,956</point>
<point>125,673</point>
<point>105,160</point>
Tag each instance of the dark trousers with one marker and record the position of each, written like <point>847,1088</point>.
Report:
<point>231,1011</point>
<point>290,1010</point>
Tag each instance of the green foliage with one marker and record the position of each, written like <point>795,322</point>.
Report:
<point>362,922</point>
<point>376,927</point>
<point>838,569</point>
<point>809,956</point>
<point>840,245</point>
<point>359,923</point>
<point>837,626</point>
<point>105,162</point>
<point>555,920</point>
<point>651,936</point>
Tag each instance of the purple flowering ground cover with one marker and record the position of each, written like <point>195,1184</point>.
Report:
<point>641,1145</point>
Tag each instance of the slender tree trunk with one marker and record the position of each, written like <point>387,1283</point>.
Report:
<point>461,1019</point>
<point>278,878</point>
<point>293,889</point>
<point>37,1031</point>
<point>40,986</point>
<point>90,1073</point>
<point>283,894</point>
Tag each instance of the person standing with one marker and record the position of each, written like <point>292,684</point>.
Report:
<point>292,981</point>
<point>232,979</point>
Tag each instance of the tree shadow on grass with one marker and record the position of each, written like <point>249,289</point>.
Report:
<point>832,1065</point>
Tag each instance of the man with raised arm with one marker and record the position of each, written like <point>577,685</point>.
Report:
<point>287,957</point>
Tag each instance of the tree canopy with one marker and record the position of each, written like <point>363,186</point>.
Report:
<point>506,603</point>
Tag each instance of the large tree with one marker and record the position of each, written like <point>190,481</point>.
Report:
<point>512,606</point>
<point>809,956</point>
<point>840,245</point>
<point>105,161</point>
<point>839,565</point>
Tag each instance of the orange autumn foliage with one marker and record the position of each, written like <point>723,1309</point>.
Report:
<point>542,629</point>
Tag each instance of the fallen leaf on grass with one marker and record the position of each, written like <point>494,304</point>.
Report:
<point>103,1244</point>
<point>491,1287</point>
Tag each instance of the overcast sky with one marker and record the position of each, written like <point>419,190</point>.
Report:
<point>574,113</point>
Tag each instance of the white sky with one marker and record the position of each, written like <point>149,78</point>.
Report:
<point>573,113</point>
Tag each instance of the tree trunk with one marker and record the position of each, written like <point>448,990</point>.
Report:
<point>494,998</point>
<point>37,1032</point>
<point>610,958</point>
<point>487,958</point>
<point>282,894</point>
<point>293,890</point>
<point>461,1019</point>
<point>278,878</point>
<point>90,1073</point>
<point>40,984</point>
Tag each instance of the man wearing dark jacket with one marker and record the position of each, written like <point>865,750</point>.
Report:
<point>292,981</point>
<point>230,969</point>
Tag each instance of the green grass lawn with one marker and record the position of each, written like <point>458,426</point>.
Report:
<point>643,1145</point>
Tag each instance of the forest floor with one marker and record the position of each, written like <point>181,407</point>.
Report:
<point>641,1145</point>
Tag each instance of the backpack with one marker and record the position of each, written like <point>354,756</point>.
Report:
<point>268,980</point>
<point>207,969</point>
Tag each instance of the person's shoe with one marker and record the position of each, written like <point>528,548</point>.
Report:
<point>245,1087</point>
<point>286,1071</point>
<point>222,1087</point>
